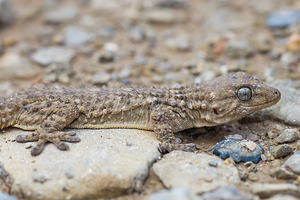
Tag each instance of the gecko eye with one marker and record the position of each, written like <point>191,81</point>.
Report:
<point>244,94</point>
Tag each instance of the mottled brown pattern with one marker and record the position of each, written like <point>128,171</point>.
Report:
<point>48,110</point>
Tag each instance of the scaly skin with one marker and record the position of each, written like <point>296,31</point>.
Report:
<point>48,110</point>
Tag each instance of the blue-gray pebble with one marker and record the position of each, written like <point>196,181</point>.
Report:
<point>232,148</point>
<point>283,18</point>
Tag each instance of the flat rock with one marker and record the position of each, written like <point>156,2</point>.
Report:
<point>104,164</point>
<point>265,190</point>
<point>61,14</point>
<point>186,169</point>
<point>287,135</point>
<point>51,55</point>
<point>283,18</point>
<point>281,197</point>
<point>175,194</point>
<point>281,151</point>
<point>13,65</point>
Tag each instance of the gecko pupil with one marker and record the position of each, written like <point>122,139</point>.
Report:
<point>244,94</point>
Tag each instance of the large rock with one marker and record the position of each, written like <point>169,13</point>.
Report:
<point>106,163</point>
<point>186,169</point>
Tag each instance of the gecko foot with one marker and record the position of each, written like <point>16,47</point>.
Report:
<point>166,147</point>
<point>57,138</point>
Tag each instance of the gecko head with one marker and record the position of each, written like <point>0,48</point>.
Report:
<point>236,95</point>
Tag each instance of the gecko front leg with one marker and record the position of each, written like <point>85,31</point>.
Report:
<point>50,130</point>
<point>164,124</point>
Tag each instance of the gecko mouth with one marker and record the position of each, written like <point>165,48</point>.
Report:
<point>263,105</point>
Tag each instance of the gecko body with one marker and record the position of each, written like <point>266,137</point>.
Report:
<point>48,110</point>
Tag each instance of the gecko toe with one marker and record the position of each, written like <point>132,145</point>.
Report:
<point>38,148</point>
<point>27,138</point>
<point>61,146</point>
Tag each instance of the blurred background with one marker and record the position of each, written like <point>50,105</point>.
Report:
<point>139,42</point>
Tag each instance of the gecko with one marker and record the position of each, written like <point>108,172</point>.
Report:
<point>47,110</point>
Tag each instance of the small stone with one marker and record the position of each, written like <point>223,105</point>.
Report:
<point>110,46</point>
<point>13,65</point>
<point>69,174</point>
<point>174,194</point>
<point>283,19</point>
<point>226,193</point>
<point>238,49</point>
<point>28,145</point>
<point>178,44</point>
<point>6,12</point>
<point>239,150</point>
<point>229,161</point>
<point>293,163</point>
<point>193,171</point>
<point>281,151</point>
<point>265,190</point>
<point>272,134</point>
<point>298,145</point>
<point>76,37</point>
<point>287,136</point>
<point>51,55</point>
<point>213,163</point>
<point>101,78</point>
<point>62,14</point>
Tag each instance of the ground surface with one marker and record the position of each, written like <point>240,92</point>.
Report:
<point>95,43</point>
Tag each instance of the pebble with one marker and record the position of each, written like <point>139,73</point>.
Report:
<point>13,65</point>
<point>100,163</point>
<point>4,196</point>
<point>179,44</point>
<point>287,136</point>
<point>253,177</point>
<point>6,12</point>
<point>238,49</point>
<point>51,55</point>
<point>283,18</point>
<point>226,193</point>
<point>240,150</point>
<point>213,163</point>
<point>76,37</point>
<point>62,14</point>
<point>281,151</point>
<point>175,194</point>
<point>187,169</point>
<point>265,190</point>
<point>298,145</point>
<point>101,78</point>
<point>293,163</point>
